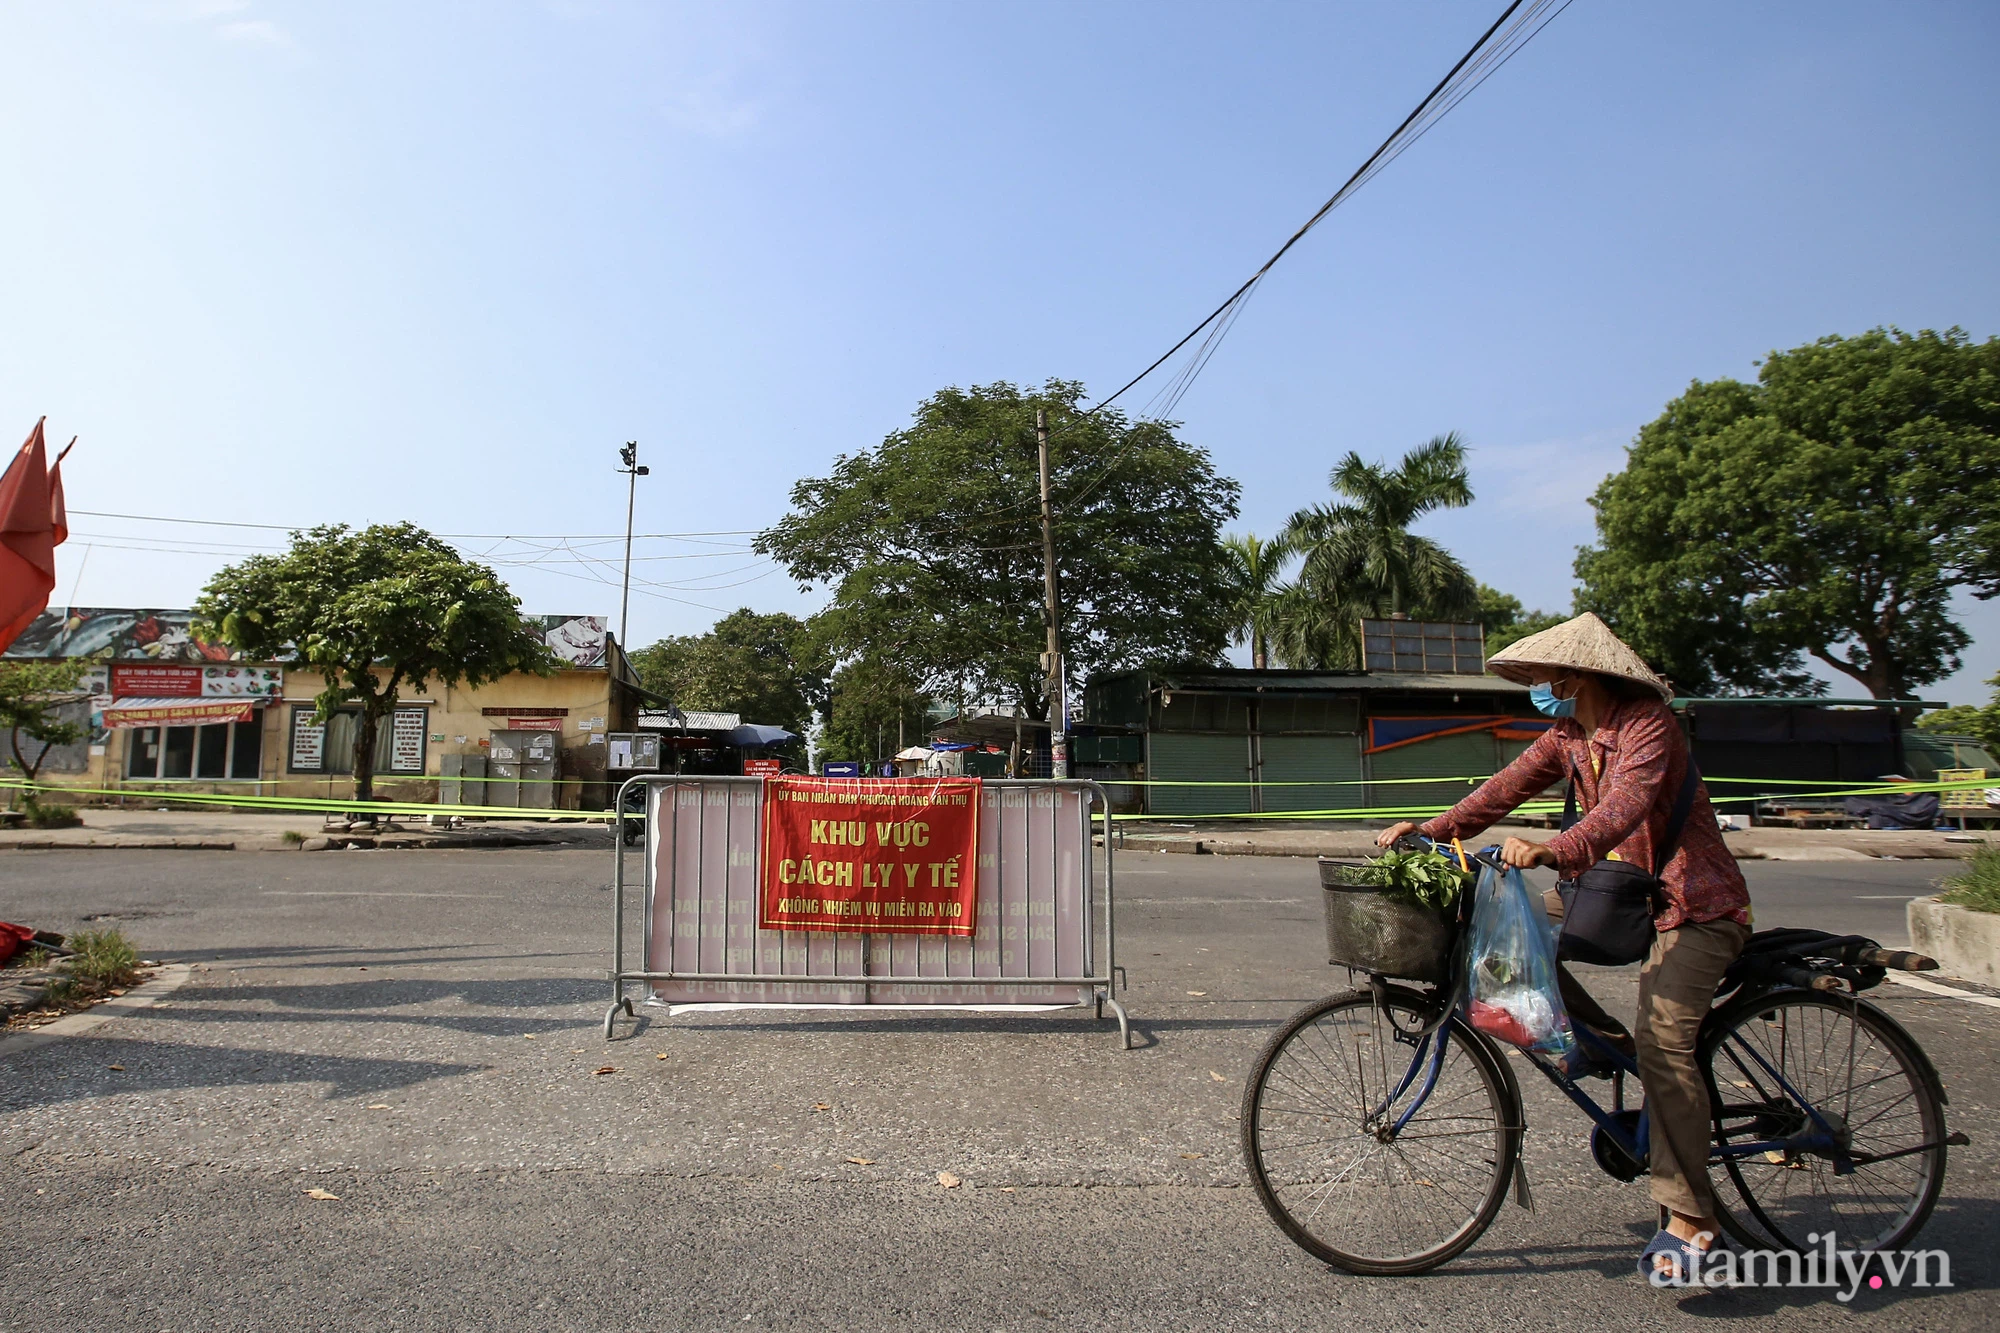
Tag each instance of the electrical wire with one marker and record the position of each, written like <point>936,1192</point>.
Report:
<point>1484,58</point>
<point>468,536</point>
<point>1480,61</point>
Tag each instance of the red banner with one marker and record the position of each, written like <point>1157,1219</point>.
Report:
<point>148,681</point>
<point>193,713</point>
<point>763,768</point>
<point>889,856</point>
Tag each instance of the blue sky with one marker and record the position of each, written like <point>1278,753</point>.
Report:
<point>293,263</point>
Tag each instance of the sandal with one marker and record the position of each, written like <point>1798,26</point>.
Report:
<point>1688,1260</point>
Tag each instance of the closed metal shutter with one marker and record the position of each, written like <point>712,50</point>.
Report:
<point>1469,755</point>
<point>1317,759</point>
<point>1178,757</point>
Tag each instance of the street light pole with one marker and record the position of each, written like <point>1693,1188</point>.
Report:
<point>629,456</point>
<point>1052,662</point>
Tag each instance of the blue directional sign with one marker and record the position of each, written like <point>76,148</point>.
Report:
<point>843,768</point>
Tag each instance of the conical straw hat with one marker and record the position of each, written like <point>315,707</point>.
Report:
<point>1583,644</point>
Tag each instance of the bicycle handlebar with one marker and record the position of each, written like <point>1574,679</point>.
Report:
<point>1417,842</point>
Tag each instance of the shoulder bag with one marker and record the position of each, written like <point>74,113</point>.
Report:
<point>1608,910</point>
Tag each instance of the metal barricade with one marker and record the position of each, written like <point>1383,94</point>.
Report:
<point>1044,935</point>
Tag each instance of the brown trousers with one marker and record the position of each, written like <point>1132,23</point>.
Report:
<point>1676,986</point>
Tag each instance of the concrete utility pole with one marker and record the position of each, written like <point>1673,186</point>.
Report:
<point>629,456</point>
<point>1052,663</point>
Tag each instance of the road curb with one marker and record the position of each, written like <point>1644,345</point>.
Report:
<point>118,844</point>
<point>170,978</point>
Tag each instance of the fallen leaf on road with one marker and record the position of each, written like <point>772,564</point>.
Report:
<point>118,1068</point>
<point>1197,992</point>
<point>607,1069</point>
<point>322,1194</point>
<point>377,1106</point>
<point>1217,1077</point>
<point>822,1106</point>
<point>1006,1189</point>
<point>948,1180</point>
<point>661,1056</point>
<point>529,1035</point>
<point>1428,1184</point>
<point>1192,1156</point>
<point>861,1161</point>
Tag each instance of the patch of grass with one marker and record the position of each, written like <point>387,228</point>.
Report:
<point>292,836</point>
<point>43,814</point>
<point>102,958</point>
<point>1977,886</point>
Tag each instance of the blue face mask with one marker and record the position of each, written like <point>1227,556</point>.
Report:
<point>1545,702</point>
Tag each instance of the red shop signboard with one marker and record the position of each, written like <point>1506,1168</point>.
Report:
<point>153,681</point>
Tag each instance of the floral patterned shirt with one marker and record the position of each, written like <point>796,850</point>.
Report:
<point>1627,775</point>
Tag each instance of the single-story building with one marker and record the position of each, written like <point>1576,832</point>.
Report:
<point>1783,746</point>
<point>168,712</point>
<point>1236,741</point>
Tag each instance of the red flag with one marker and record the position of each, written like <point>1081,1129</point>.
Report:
<point>32,524</point>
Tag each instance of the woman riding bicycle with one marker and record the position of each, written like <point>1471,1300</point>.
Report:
<point>1618,742</point>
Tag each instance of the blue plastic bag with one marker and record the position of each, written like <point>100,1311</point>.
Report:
<point>1511,991</point>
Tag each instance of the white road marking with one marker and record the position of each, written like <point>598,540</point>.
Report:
<point>1931,987</point>
<point>1206,902</point>
<point>362,893</point>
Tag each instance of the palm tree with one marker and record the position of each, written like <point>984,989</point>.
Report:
<point>1311,631</point>
<point>1254,565</point>
<point>1361,553</point>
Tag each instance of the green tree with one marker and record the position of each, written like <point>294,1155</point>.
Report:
<point>1828,510</point>
<point>1505,622</point>
<point>931,543</point>
<point>1312,631</point>
<point>875,704</point>
<point>1255,566</point>
<point>1981,720</point>
<point>766,668</point>
<point>371,612</point>
<point>29,694</point>
<point>1361,559</point>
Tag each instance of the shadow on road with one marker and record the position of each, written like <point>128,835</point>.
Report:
<point>147,1067</point>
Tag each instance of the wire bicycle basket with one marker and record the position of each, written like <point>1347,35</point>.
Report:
<point>1374,929</point>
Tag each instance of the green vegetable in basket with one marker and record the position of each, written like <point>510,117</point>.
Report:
<point>1430,878</point>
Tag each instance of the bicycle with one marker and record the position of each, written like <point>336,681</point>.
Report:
<point>1828,1116</point>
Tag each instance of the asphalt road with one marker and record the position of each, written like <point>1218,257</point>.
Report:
<point>417,1034</point>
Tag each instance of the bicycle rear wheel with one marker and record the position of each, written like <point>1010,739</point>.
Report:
<point>1766,1058</point>
<point>1319,1111</point>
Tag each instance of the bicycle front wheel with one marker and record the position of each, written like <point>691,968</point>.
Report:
<point>1339,1168</point>
<point>1770,1058</point>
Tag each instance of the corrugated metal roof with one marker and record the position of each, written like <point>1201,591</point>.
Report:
<point>691,718</point>
<point>1336,682</point>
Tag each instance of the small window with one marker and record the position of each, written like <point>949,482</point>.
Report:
<point>246,758</point>
<point>177,761</point>
<point>142,753</point>
<point>211,752</point>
